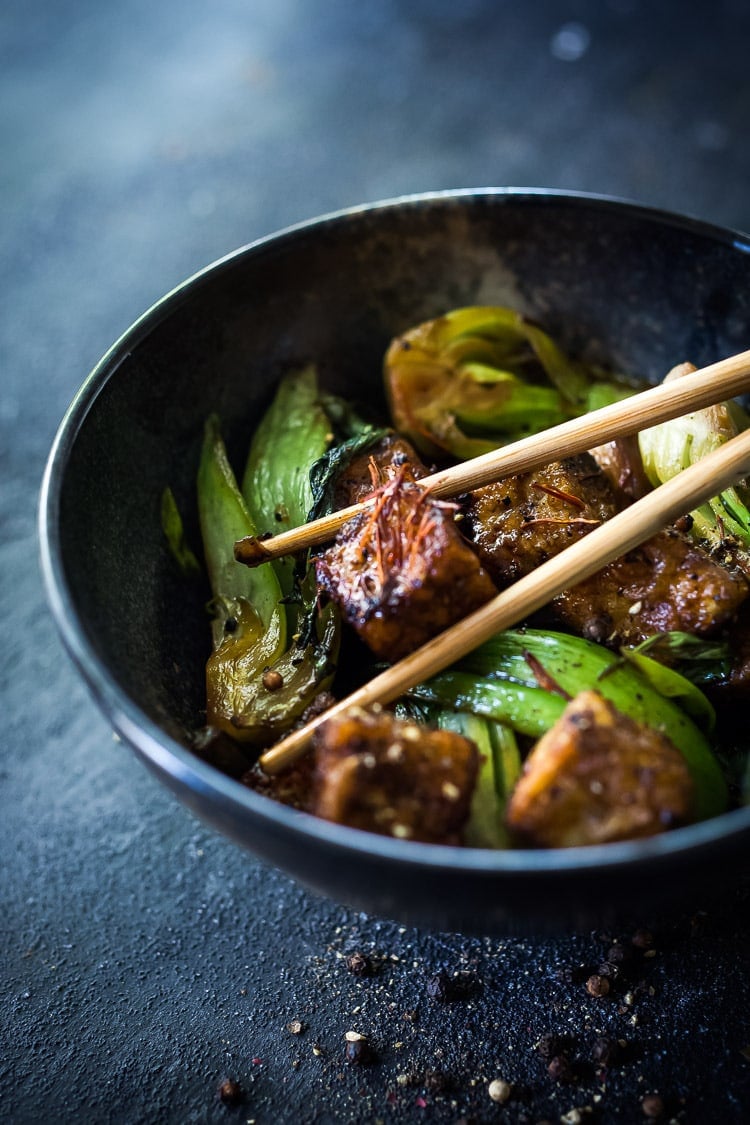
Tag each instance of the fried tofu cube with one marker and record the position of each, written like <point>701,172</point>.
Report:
<point>401,572</point>
<point>397,778</point>
<point>669,583</point>
<point>598,776</point>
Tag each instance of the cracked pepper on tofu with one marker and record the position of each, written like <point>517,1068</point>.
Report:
<point>669,583</point>
<point>380,463</point>
<point>401,572</point>
<point>598,776</point>
<point>394,777</point>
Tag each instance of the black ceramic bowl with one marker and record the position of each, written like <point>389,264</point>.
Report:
<point>612,281</point>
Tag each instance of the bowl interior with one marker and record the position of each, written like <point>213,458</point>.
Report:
<point>612,282</point>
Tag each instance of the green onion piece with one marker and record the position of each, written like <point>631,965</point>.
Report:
<point>507,758</point>
<point>670,683</point>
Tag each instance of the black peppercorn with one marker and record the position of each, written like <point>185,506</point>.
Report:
<point>359,964</point>
<point>230,1092</point>
<point>606,1051</point>
<point>441,987</point>
<point>549,1046</point>
<point>597,985</point>
<point>652,1106</point>
<point>560,1070</point>
<point>435,1080</point>
<point>358,1052</point>
<point>619,954</point>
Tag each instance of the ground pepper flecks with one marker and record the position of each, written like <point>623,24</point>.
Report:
<point>451,1015</point>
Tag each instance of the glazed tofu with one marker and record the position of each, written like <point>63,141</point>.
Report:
<point>397,778</point>
<point>401,572</point>
<point>375,467</point>
<point>598,776</point>
<point>519,523</point>
<point>670,583</point>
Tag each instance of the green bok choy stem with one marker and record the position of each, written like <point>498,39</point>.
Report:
<point>497,681</point>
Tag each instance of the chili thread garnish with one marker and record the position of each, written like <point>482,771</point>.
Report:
<point>542,676</point>
<point>560,494</point>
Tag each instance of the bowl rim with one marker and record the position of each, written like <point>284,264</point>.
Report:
<point>168,756</point>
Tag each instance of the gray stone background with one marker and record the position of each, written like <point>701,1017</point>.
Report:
<point>143,959</point>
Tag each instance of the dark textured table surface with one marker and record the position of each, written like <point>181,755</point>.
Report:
<point>145,959</point>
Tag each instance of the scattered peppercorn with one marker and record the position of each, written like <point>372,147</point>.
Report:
<point>358,1052</point>
<point>230,1092</point>
<point>560,1070</point>
<point>359,964</point>
<point>441,987</point>
<point>436,1081</point>
<point>549,1046</point>
<point>499,1090</point>
<point>597,985</point>
<point>607,969</point>
<point>445,987</point>
<point>272,680</point>
<point>619,954</point>
<point>652,1106</point>
<point>606,1051</point>
<point>574,1116</point>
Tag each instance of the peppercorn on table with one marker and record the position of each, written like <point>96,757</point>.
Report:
<point>151,971</point>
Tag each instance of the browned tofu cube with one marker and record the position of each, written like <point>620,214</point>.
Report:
<point>668,583</point>
<point>598,776</point>
<point>396,778</point>
<point>401,572</point>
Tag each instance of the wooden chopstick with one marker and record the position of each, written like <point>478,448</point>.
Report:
<point>712,384</point>
<point>629,528</point>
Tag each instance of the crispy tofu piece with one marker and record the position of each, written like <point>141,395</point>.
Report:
<point>669,583</point>
<point>375,467</point>
<point>598,776</point>
<point>401,572</point>
<point>519,523</point>
<point>397,778</point>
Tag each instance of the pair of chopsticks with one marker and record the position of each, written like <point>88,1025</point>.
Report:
<point>628,529</point>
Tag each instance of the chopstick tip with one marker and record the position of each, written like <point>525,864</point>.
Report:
<point>251,551</point>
